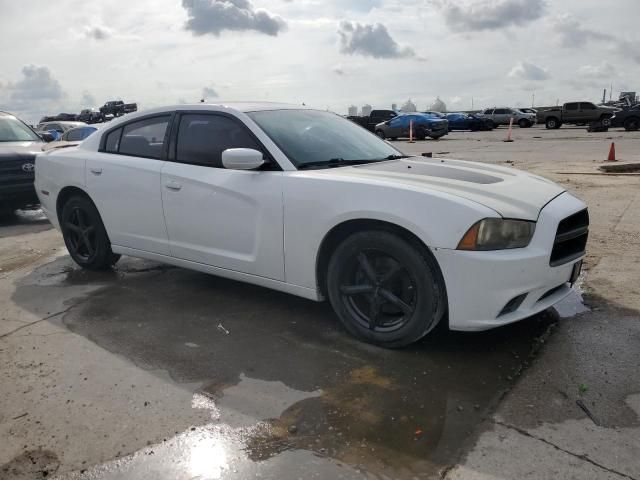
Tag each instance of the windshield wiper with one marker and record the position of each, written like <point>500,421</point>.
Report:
<point>396,157</point>
<point>334,162</point>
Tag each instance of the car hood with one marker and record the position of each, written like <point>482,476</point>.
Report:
<point>511,193</point>
<point>9,148</point>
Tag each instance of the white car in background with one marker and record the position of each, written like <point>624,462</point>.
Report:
<point>306,202</point>
<point>503,115</point>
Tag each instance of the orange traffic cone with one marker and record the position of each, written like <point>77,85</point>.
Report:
<point>612,153</point>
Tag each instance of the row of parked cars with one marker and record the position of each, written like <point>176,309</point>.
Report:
<point>392,124</point>
<point>109,111</point>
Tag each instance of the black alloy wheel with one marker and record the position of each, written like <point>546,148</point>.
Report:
<point>385,290</point>
<point>85,236</point>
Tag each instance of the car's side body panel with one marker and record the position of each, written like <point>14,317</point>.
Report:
<point>132,212</point>
<point>228,218</point>
<point>335,199</point>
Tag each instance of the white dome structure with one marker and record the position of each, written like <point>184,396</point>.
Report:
<point>409,106</point>
<point>438,106</point>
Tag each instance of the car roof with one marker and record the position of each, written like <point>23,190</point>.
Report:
<point>64,122</point>
<point>243,107</point>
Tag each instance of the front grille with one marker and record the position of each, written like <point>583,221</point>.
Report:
<point>571,239</point>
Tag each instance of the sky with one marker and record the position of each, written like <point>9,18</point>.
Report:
<point>70,54</point>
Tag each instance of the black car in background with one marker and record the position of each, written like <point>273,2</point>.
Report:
<point>19,145</point>
<point>628,118</point>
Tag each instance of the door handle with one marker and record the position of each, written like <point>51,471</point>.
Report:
<point>175,186</point>
<point>96,171</point>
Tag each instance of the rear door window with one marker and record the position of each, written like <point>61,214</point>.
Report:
<point>145,138</point>
<point>571,106</point>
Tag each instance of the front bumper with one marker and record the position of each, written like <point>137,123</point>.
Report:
<point>480,284</point>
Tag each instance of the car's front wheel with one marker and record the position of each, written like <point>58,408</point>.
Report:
<point>85,236</point>
<point>381,134</point>
<point>632,124</point>
<point>385,290</point>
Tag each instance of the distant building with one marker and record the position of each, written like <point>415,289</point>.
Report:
<point>366,110</point>
<point>353,111</point>
<point>438,106</point>
<point>409,106</point>
<point>394,106</point>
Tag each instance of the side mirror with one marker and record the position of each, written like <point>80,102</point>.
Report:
<point>242,159</point>
<point>46,136</point>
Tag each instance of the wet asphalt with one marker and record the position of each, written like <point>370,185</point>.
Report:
<point>291,394</point>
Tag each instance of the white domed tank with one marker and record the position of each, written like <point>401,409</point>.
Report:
<point>438,106</point>
<point>409,106</point>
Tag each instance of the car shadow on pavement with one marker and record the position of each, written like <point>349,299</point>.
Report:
<point>398,409</point>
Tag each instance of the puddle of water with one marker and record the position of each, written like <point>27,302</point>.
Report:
<point>288,390</point>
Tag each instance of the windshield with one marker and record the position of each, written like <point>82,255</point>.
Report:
<point>13,130</point>
<point>313,136</point>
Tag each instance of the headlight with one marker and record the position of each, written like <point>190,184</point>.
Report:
<point>497,234</point>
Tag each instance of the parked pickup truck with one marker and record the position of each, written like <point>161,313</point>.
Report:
<point>118,108</point>
<point>374,118</point>
<point>576,113</point>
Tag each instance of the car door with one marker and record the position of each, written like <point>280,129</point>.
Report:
<point>231,219</point>
<point>501,116</point>
<point>123,179</point>
<point>587,112</point>
<point>395,127</point>
<point>571,112</point>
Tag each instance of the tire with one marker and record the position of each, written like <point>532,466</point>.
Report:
<point>632,124</point>
<point>85,236</point>
<point>491,125</point>
<point>394,138</point>
<point>381,134</point>
<point>524,123</point>
<point>553,123</point>
<point>407,299</point>
<point>605,120</point>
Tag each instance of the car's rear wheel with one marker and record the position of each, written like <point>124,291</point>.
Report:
<point>552,123</point>
<point>490,124</point>
<point>85,236</point>
<point>385,290</point>
<point>632,124</point>
<point>605,120</point>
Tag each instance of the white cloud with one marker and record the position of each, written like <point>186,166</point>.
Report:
<point>478,15</point>
<point>36,91</point>
<point>209,92</point>
<point>214,16</point>
<point>97,32</point>
<point>603,70</point>
<point>370,40</point>
<point>529,71</point>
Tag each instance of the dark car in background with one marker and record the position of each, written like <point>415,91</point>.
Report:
<point>628,118</point>
<point>90,115</point>
<point>423,126</point>
<point>462,121</point>
<point>117,108</point>
<point>19,145</point>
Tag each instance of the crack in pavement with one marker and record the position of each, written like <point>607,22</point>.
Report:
<point>48,317</point>
<point>581,457</point>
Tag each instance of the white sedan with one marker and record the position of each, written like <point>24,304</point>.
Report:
<point>306,202</point>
